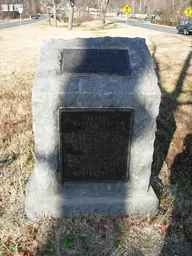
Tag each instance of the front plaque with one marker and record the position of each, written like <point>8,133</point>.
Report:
<point>96,61</point>
<point>94,144</point>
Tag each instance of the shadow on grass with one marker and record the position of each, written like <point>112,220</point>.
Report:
<point>178,232</point>
<point>178,240</point>
<point>166,124</point>
<point>94,234</point>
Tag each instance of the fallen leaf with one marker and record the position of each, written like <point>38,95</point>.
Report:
<point>163,228</point>
<point>121,236</point>
<point>101,224</point>
<point>30,239</point>
<point>29,254</point>
<point>7,254</point>
<point>151,219</point>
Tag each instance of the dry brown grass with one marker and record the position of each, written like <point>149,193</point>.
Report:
<point>94,234</point>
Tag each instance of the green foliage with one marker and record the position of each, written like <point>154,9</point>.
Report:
<point>117,243</point>
<point>68,240</point>
<point>52,254</point>
<point>118,229</point>
<point>190,3</point>
<point>3,253</point>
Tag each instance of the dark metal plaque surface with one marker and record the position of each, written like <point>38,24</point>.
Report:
<point>96,62</point>
<point>94,144</point>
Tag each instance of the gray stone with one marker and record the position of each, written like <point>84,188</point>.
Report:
<point>52,89</point>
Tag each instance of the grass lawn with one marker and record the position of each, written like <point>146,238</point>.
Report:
<point>170,232</point>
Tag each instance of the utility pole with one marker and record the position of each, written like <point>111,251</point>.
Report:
<point>133,3</point>
<point>140,8</point>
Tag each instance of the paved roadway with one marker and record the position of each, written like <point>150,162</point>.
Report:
<point>4,25</point>
<point>142,24</point>
<point>130,22</point>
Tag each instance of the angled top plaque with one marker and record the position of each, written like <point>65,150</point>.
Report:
<point>111,62</point>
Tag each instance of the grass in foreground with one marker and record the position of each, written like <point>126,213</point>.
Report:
<point>99,234</point>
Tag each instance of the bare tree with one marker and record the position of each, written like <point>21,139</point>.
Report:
<point>84,5</point>
<point>102,6</point>
<point>1,13</point>
<point>117,5</point>
<point>53,5</point>
<point>56,5</point>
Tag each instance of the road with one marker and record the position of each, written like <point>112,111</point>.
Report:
<point>142,24</point>
<point>4,25</point>
<point>130,22</point>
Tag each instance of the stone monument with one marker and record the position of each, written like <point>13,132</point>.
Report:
<point>95,103</point>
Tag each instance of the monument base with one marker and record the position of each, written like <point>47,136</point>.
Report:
<point>57,204</point>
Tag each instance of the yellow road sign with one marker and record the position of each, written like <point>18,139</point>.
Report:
<point>127,9</point>
<point>188,12</point>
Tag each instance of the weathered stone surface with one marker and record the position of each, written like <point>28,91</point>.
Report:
<point>53,89</point>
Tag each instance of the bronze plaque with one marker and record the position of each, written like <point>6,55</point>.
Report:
<point>94,144</point>
<point>96,62</point>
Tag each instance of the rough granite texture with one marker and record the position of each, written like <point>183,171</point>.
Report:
<point>52,89</point>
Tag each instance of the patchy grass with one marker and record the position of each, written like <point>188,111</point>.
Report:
<point>59,24</point>
<point>85,26</point>
<point>97,234</point>
<point>110,26</point>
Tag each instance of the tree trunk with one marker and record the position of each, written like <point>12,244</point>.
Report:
<point>102,20</point>
<point>48,17</point>
<point>55,14</point>
<point>70,22</point>
<point>102,6</point>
